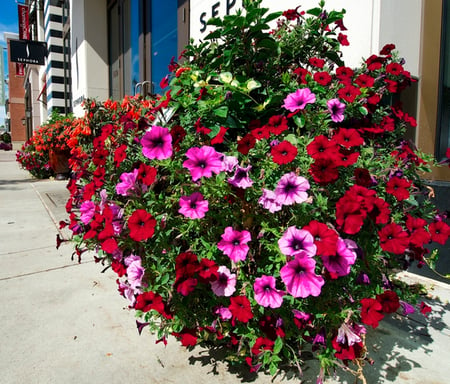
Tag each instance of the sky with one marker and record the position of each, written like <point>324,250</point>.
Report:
<point>8,23</point>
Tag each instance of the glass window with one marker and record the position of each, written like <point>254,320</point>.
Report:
<point>164,39</point>
<point>443,131</point>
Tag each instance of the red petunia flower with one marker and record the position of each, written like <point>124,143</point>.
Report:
<point>343,39</point>
<point>393,239</point>
<point>277,124</point>
<point>389,301</point>
<point>283,153</point>
<point>141,225</point>
<point>120,154</point>
<point>439,231</point>
<point>178,134</point>
<point>261,133</point>
<point>371,312</point>
<point>187,337</point>
<point>398,187</point>
<point>362,177</point>
<point>246,143</point>
<point>324,171</point>
<point>348,137</point>
<point>344,74</point>
<point>147,174</point>
<point>365,81</point>
<point>186,265</point>
<point>262,344</point>
<point>322,78</point>
<point>418,235</point>
<point>349,93</point>
<point>322,147</point>
<point>395,69</point>
<point>424,309</point>
<point>147,301</point>
<point>316,62</point>
<point>240,308</point>
<point>325,238</point>
<point>218,139</point>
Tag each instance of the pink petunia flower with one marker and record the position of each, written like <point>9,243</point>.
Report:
<point>299,99</point>
<point>225,285</point>
<point>203,162</point>
<point>300,278</point>
<point>269,201</point>
<point>193,206</point>
<point>87,211</point>
<point>234,244</point>
<point>128,183</point>
<point>297,241</point>
<point>157,143</point>
<point>265,292</point>
<point>291,189</point>
<point>135,271</point>
<point>241,178</point>
<point>336,109</point>
<point>340,262</point>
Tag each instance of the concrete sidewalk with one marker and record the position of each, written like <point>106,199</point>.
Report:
<point>64,322</point>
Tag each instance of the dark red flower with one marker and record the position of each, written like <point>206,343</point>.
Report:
<point>418,235</point>
<point>178,134</point>
<point>391,85</point>
<point>389,301</point>
<point>246,143</point>
<point>324,171</point>
<point>186,265</point>
<point>365,81</point>
<point>118,267</point>
<point>120,154</point>
<point>374,62</point>
<point>147,174</point>
<point>395,69</point>
<point>393,238</point>
<point>344,74</point>
<point>301,74</point>
<point>283,153</point>
<point>277,124</point>
<point>218,139</point>
<point>262,344</point>
<point>187,337</point>
<point>346,157</point>
<point>325,238</point>
<point>240,308</point>
<point>141,225</point>
<point>322,78</point>
<point>343,39</point>
<point>316,62</point>
<point>348,137</point>
<point>349,93</point>
<point>362,177</point>
<point>439,232</point>
<point>347,352</point>
<point>147,301</point>
<point>208,270</point>
<point>424,309</point>
<point>387,49</point>
<point>398,187</point>
<point>261,133</point>
<point>199,128</point>
<point>322,147</point>
<point>371,312</point>
<point>185,286</point>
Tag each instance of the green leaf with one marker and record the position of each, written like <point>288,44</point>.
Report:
<point>363,111</point>
<point>273,368</point>
<point>221,111</point>
<point>314,11</point>
<point>272,16</point>
<point>278,345</point>
<point>215,21</point>
<point>299,120</point>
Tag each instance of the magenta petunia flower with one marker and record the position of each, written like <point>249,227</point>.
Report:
<point>87,211</point>
<point>299,99</point>
<point>203,161</point>
<point>157,143</point>
<point>269,201</point>
<point>265,292</point>
<point>300,278</point>
<point>127,183</point>
<point>234,244</point>
<point>135,271</point>
<point>340,262</point>
<point>225,285</point>
<point>193,206</point>
<point>297,241</point>
<point>291,189</point>
<point>241,178</point>
<point>336,109</point>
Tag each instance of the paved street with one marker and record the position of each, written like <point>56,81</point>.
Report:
<point>64,322</point>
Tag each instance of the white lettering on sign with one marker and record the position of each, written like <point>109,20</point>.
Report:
<point>203,10</point>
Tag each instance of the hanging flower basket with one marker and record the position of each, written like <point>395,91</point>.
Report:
<point>265,202</point>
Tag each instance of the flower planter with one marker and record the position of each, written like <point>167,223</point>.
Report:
<point>59,162</point>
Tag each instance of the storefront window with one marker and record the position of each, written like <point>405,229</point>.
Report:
<point>443,131</point>
<point>164,39</point>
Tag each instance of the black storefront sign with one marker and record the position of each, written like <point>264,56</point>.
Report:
<point>28,51</point>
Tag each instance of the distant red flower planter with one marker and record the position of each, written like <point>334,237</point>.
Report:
<point>59,162</point>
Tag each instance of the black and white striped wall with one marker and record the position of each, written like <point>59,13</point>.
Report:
<point>57,97</point>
